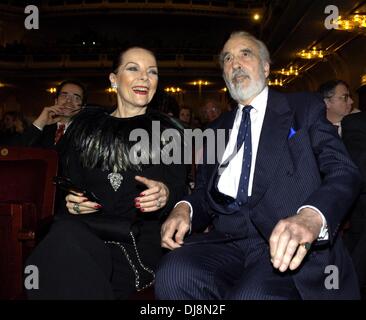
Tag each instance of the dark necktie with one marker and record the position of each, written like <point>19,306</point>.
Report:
<point>59,132</point>
<point>230,204</point>
<point>244,136</point>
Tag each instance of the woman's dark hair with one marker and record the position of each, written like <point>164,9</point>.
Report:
<point>118,58</point>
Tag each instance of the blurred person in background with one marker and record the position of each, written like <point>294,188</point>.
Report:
<point>185,116</point>
<point>12,127</point>
<point>211,110</point>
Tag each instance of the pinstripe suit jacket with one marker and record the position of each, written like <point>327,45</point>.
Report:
<point>310,167</point>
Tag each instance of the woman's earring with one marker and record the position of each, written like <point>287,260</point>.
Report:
<point>114,85</point>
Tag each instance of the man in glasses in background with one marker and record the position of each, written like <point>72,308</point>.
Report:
<point>338,101</point>
<point>53,121</point>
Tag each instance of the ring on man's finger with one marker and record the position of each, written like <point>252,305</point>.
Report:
<point>76,208</point>
<point>306,245</point>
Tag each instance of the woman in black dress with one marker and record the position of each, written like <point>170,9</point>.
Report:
<point>127,175</point>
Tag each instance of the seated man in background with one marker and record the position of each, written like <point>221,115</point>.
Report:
<point>338,101</point>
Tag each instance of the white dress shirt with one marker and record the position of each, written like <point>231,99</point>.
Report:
<point>338,125</point>
<point>58,124</point>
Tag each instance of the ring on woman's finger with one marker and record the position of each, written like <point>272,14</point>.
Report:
<point>76,208</point>
<point>158,203</point>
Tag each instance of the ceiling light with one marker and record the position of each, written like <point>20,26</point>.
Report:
<point>173,89</point>
<point>313,53</point>
<point>111,90</point>
<point>353,22</point>
<point>200,83</point>
<point>276,82</point>
<point>292,71</point>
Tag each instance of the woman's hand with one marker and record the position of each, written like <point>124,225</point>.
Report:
<point>76,203</point>
<point>154,198</point>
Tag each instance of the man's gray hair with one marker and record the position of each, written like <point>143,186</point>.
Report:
<point>263,51</point>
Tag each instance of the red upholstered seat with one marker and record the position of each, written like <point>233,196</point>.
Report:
<point>27,195</point>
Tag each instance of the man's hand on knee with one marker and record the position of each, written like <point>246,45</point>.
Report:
<point>175,227</point>
<point>291,238</point>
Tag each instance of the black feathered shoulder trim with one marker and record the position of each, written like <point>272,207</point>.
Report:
<point>116,144</point>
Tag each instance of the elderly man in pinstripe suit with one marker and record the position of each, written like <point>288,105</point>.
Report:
<point>274,200</point>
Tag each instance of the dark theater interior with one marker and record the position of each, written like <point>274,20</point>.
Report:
<point>310,42</point>
<point>77,39</point>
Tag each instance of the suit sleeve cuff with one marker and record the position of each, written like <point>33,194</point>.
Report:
<point>39,128</point>
<point>323,235</point>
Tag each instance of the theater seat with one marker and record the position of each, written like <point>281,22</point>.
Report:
<point>27,196</point>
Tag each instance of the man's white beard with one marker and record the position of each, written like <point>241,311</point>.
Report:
<point>238,92</point>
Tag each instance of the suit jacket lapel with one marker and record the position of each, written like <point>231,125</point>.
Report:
<point>276,125</point>
<point>226,124</point>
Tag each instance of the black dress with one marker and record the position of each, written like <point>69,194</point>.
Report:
<point>73,262</point>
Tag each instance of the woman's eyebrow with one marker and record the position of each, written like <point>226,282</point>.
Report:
<point>154,66</point>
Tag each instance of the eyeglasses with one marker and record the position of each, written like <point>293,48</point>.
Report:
<point>343,97</point>
<point>73,97</point>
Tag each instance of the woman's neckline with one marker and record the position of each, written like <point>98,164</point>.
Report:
<point>126,118</point>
